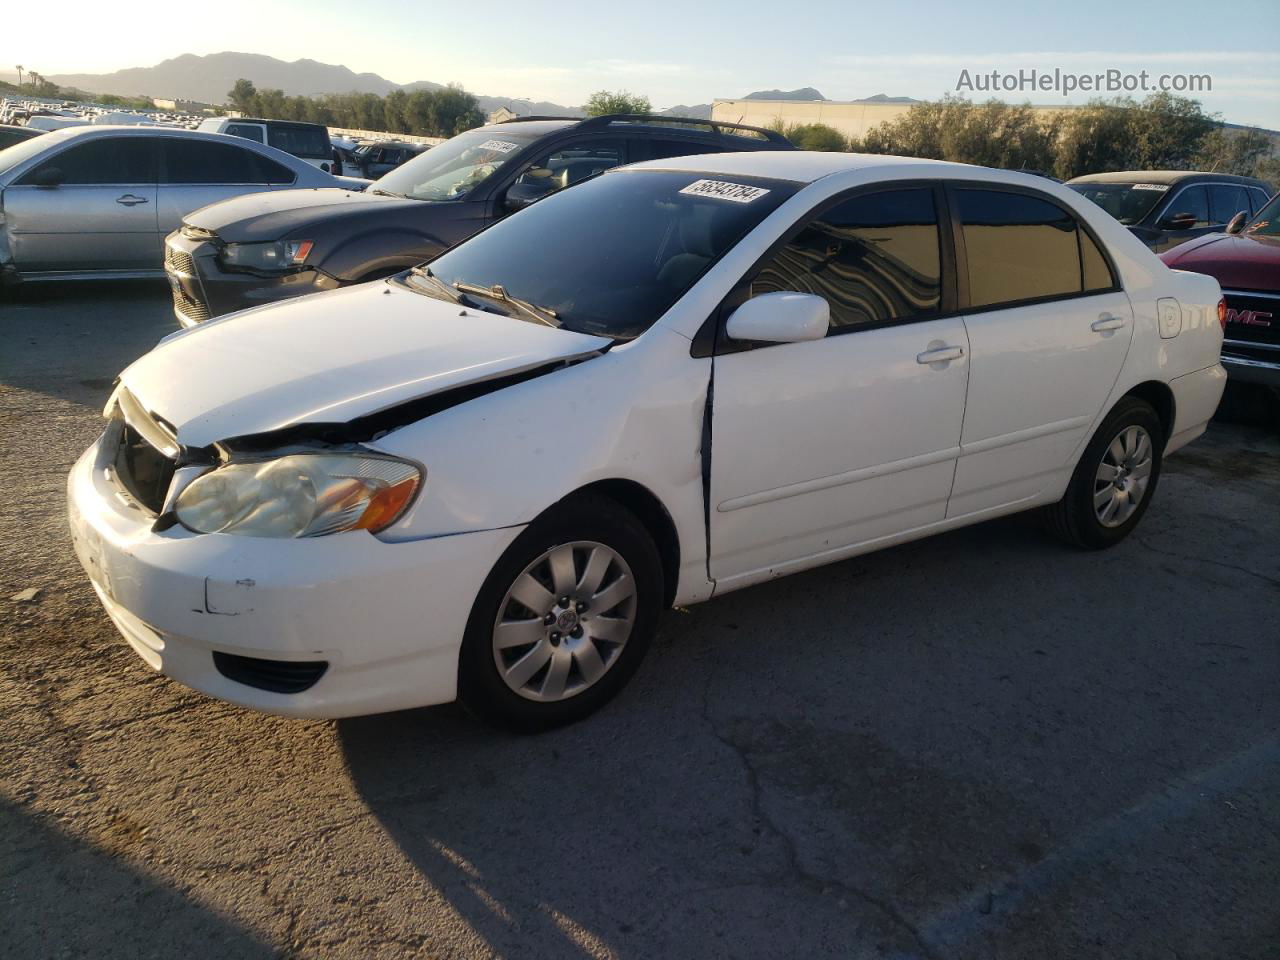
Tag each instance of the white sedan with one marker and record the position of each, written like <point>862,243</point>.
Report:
<point>487,477</point>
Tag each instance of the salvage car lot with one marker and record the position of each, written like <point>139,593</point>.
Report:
<point>977,745</point>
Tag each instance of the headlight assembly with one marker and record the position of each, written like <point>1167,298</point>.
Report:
<point>300,495</point>
<point>280,256</point>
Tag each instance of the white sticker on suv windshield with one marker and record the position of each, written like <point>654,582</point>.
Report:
<point>722,190</point>
<point>499,146</point>
<point>1162,187</point>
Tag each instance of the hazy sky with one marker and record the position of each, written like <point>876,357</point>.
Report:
<point>689,52</point>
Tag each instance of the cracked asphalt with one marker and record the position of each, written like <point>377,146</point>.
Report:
<point>981,745</point>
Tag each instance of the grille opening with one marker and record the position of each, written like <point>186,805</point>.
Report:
<point>143,470</point>
<point>190,308</point>
<point>274,676</point>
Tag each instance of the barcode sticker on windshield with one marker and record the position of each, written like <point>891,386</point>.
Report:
<point>722,190</point>
<point>499,146</point>
<point>1161,187</point>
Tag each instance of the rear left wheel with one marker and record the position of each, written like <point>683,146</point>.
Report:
<point>1115,479</point>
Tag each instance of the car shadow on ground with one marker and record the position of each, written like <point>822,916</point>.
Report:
<point>61,896</point>
<point>863,746</point>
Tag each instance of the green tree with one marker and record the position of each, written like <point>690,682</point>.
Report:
<point>242,94</point>
<point>1242,152</point>
<point>815,136</point>
<point>604,102</point>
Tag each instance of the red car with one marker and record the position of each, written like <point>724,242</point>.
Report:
<point>1246,263</point>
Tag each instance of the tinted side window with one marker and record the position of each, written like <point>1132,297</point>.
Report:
<point>249,131</point>
<point>271,172</point>
<point>1225,202</point>
<point>873,258</point>
<point>116,160</point>
<point>201,161</point>
<point>662,149</point>
<point>1095,272</point>
<point>1259,198</point>
<point>1018,247</point>
<point>1193,200</point>
<point>573,164</point>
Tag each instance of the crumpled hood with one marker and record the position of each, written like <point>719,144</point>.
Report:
<point>331,357</point>
<point>275,215</point>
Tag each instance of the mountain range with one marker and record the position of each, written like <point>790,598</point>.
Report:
<point>206,79</point>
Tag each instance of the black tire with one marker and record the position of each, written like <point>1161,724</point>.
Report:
<point>1073,518</point>
<point>589,517</point>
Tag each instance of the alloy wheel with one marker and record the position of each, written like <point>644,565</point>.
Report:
<point>564,621</point>
<point>1123,476</point>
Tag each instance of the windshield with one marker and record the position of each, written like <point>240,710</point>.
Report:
<point>454,168</point>
<point>1127,202</point>
<point>1265,224</point>
<point>10,157</point>
<point>627,246</point>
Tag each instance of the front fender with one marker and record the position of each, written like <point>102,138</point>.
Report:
<point>377,251</point>
<point>634,413</point>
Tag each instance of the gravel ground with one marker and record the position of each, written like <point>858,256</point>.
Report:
<point>982,745</point>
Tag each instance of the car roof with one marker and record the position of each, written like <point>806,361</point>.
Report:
<point>535,127</point>
<point>1162,176</point>
<point>799,166</point>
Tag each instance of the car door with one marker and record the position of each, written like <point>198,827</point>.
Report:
<point>197,172</point>
<point>100,215</point>
<point>1225,201</point>
<point>1184,217</point>
<point>819,445</point>
<point>1048,328</point>
<point>566,164</point>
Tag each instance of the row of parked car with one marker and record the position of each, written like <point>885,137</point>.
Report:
<point>261,217</point>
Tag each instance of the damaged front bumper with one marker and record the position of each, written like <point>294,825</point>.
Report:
<point>353,624</point>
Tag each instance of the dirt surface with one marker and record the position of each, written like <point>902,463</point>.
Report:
<point>981,745</point>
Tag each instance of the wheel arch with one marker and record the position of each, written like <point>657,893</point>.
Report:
<point>654,516</point>
<point>1161,399</point>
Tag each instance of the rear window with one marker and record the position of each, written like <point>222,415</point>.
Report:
<point>310,142</point>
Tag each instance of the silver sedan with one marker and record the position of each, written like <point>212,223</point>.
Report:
<point>96,202</point>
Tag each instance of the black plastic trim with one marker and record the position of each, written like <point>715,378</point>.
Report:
<point>274,676</point>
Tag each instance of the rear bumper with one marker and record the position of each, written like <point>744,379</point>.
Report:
<point>1195,400</point>
<point>202,290</point>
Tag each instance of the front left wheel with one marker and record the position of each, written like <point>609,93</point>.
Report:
<point>564,618</point>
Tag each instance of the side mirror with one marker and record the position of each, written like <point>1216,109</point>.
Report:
<point>780,318</point>
<point>1237,222</point>
<point>521,195</point>
<point>48,177</point>
<point>1179,221</point>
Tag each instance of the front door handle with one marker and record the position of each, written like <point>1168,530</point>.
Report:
<point>1106,322</point>
<point>130,200</point>
<point>940,354</point>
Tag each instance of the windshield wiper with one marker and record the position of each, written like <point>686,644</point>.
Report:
<point>447,289</point>
<point>497,292</point>
<point>386,193</point>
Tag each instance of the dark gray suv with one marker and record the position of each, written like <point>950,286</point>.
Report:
<point>253,250</point>
<point>1164,208</point>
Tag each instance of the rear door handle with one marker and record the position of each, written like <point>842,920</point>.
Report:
<point>130,200</point>
<point>1106,322</point>
<point>940,355</point>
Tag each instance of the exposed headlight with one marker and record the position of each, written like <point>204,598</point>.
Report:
<point>300,495</point>
<point>280,256</point>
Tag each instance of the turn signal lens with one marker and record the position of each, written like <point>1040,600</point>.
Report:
<point>300,495</point>
<point>1222,314</point>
